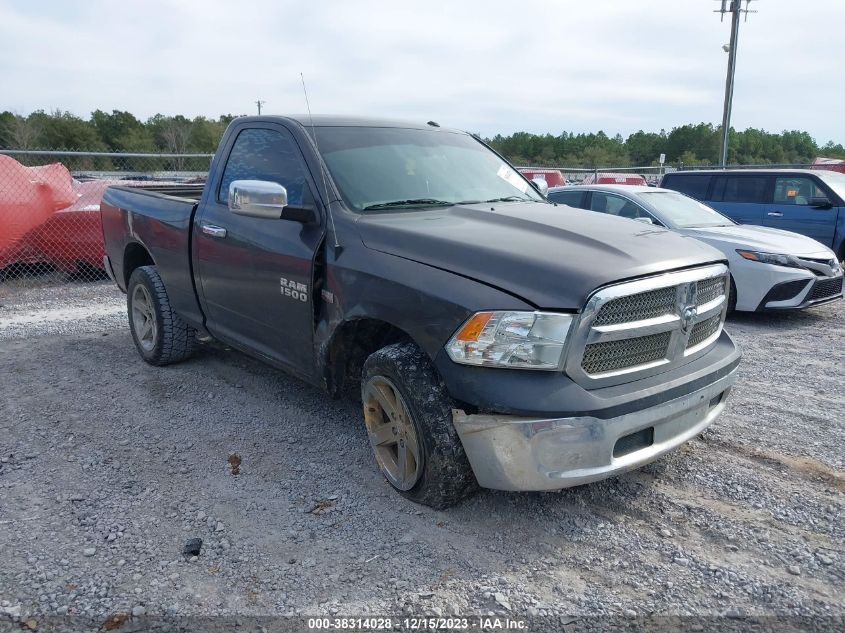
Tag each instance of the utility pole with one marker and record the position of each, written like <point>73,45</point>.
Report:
<point>734,7</point>
<point>259,103</point>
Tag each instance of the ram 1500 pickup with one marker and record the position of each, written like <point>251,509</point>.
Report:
<point>496,339</point>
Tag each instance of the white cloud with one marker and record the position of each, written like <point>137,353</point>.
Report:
<point>489,66</point>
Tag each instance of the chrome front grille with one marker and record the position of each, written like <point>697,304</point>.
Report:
<point>710,289</point>
<point>643,305</point>
<point>703,330</point>
<point>613,355</point>
<point>639,328</point>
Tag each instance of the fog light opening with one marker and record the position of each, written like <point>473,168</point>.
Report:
<point>632,442</point>
<point>715,400</point>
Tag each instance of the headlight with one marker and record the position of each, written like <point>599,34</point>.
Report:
<point>517,340</point>
<point>771,258</point>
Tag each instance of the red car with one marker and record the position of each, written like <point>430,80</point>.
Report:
<point>614,178</point>
<point>553,177</point>
<point>47,217</point>
<point>830,164</point>
<point>72,237</point>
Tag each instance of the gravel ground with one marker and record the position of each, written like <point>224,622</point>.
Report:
<point>108,466</point>
<point>60,310</point>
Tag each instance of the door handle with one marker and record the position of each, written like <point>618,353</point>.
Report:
<point>213,231</point>
<point>775,214</point>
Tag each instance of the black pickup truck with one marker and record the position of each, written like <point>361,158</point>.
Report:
<point>496,339</point>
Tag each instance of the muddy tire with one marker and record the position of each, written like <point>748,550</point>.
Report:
<point>159,334</point>
<point>408,416</point>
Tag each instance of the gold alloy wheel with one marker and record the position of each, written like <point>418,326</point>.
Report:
<point>392,433</point>
<point>144,318</point>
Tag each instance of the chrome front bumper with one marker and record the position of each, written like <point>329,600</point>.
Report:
<point>512,453</point>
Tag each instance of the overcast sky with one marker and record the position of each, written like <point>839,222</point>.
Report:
<point>486,66</point>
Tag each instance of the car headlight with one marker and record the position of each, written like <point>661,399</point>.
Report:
<point>771,258</point>
<point>516,340</point>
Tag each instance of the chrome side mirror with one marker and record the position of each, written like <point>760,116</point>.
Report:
<point>257,198</point>
<point>644,220</point>
<point>540,185</point>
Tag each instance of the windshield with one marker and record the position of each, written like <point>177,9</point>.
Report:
<point>835,181</point>
<point>682,212</point>
<point>381,168</point>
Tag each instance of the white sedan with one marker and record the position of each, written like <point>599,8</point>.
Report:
<point>770,269</point>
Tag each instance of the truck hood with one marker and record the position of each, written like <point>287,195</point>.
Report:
<point>759,238</point>
<point>551,256</point>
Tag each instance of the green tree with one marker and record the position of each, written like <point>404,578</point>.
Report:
<point>63,130</point>
<point>798,147</point>
<point>121,131</point>
<point>205,135</point>
<point>17,132</point>
<point>172,135</point>
<point>831,150</point>
<point>691,144</point>
<point>689,159</point>
<point>644,148</point>
<point>701,139</point>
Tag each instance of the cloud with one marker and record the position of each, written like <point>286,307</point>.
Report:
<point>485,66</point>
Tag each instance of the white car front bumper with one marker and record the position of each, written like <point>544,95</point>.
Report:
<point>769,287</point>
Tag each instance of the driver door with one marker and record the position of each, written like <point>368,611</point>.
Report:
<point>256,273</point>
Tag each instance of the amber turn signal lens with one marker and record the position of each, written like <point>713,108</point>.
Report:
<point>749,255</point>
<point>473,328</point>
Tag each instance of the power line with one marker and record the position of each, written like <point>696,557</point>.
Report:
<point>734,7</point>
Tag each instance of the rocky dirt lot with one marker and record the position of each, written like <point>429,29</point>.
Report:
<point>108,466</point>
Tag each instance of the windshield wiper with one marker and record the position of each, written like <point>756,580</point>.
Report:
<point>414,202</point>
<point>505,199</point>
<point>511,199</point>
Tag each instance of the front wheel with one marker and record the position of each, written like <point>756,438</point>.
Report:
<point>160,335</point>
<point>408,415</point>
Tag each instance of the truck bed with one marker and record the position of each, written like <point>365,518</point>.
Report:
<point>192,192</point>
<point>158,219</point>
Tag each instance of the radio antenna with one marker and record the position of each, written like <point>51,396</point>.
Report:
<point>322,166</point>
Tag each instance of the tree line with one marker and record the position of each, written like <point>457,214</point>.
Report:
<point>693,144</point>
<point>117,131</point>
<point>690,145</point>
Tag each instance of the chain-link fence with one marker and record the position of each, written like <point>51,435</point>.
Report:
<point>598,175</point>
<point>50,229</point>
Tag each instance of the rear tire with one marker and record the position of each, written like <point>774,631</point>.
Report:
<point>160,335</point>
<point>407,409</point>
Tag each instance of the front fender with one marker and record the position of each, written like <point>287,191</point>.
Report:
<point>426,303</point>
